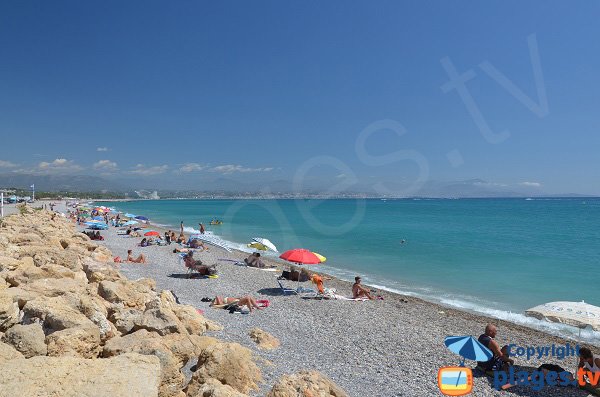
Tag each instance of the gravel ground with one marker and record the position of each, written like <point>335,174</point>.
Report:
<point>384,348</point>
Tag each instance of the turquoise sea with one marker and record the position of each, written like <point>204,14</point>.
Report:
<point>496,256</point>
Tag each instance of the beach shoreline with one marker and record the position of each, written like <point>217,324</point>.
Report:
<point>359,345</point>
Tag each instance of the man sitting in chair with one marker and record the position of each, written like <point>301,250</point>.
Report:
<point>197,265</point>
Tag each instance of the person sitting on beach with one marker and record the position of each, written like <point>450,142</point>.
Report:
<point>97,236</point>
<point>144,242</point>
<point>140,259</point>
<point>253,260</point>
<point>173,236</point>
<point>129,231</point>
<point>588,361</point>
<point>198,266</point>
<point>358,291</point>
<point>247,301</point>
<point>181,239</point>
<point>500,360</point>
<point>168,237</point>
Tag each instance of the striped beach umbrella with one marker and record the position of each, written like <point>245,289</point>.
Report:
<point>468,348</point>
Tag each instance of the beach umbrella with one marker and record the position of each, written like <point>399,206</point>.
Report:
<point>128,215</point>
<point>300,256</point>
<point>128,223</point>
<point>266,242</point>
<point>141,218</point>
<point>321,257</point>
<point>212,240</point>
<point>257,246</point>
<point>577,314</point>
<point>152,233</point>
<point>98,218</point>
<point>468,348</point>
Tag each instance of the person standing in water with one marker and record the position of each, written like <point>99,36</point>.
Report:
<point>202,230</point>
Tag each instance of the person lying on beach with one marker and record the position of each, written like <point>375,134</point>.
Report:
<point>140,259</point>
<point>247,301</point>
<point>197,244</point>
<point>179,250</point>
<point>358,291</point>
<point>500,360</point>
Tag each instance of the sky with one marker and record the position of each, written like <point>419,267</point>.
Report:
<point>389,95</point>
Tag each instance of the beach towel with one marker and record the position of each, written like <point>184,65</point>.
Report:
<point>345,298</point>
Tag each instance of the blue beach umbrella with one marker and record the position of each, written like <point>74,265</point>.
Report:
<point>128,223</point>
<point>468,348</point>
<point>98,218</point>
<point>128,215</point>
<point>141,218</point>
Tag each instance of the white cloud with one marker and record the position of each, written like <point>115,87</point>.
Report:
<point>59,165</point>
<point>341,176</point>
<point>531,184</point>
<point>231,168</point>
<point>7,164</point>
<point>102,149</point>
<point>106,165</point>
<point>192,167</point>
<point>491,184</point>
<point>144,170</point>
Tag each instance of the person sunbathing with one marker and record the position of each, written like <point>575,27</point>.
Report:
<point>358,291</point>
<point>247,301</point>
<point>140,259</point>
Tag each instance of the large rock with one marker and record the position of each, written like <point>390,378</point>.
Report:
<point>52,287</point>
<point>27,339</point>
<point>9,312</point>
<point>229,363</point>
<point>7,352</point>
<point>162,321</point>
<point>130,294</point>
<point>76,342</point>
<point>214,388</point>
<point>263,339</point>
<point>56,313</point>
<point>124,319</point>
<point>27,274</point>
<point>306,383</point>
<point>150,343</point>
<point>126,375</point>
<point>97,272</point>
<point>193,321</point>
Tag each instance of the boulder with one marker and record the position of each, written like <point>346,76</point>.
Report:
<point>229,363</point>
<point>28,273</point>
<point>193,321</point>
<point>56,313</point>
<point>150,343</point>
<point>9,311</point>
<point>27,339</point>
<point>7,352</point>
<point>126,375</point>
<point>214,388</point>
<point>124,319</point>
<point>263,339</point>
<point>75,342</point>
<point>185,347</point>
<point>91,306</point>
<point>97,272</point>
<point>51,287</point>
<point>162,321</point>
<point>8,263</point>
<point>306,383</point>
<point>130,294</point>
<point>19,296</point>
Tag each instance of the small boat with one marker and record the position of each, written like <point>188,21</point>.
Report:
<point>216,222</point>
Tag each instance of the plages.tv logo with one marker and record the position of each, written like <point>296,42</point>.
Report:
<point>458,381</point>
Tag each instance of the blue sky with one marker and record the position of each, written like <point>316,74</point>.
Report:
<point>262,90</point>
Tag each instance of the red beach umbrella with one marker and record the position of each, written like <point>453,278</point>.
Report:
<point>152,233</point>
<point>300,255</point>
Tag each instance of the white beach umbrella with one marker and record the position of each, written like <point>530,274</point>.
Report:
<point>266,242</point>
<point>577,314</point>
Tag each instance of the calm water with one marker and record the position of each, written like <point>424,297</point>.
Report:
<point>489,255</point>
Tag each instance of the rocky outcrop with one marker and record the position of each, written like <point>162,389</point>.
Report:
<point>7,352</point>
<point>230,364</point>
<point>126,375</point>
<point>214,388</point>
<point>263,339</point>
<point>306,383</point>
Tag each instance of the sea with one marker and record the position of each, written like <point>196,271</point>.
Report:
<point>498,257</point>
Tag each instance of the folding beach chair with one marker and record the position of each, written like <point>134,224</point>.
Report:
<point>286,291</point>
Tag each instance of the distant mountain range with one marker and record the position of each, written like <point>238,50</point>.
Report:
<point>181,184</point>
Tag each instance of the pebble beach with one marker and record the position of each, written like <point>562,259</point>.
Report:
<point>389,347</point>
